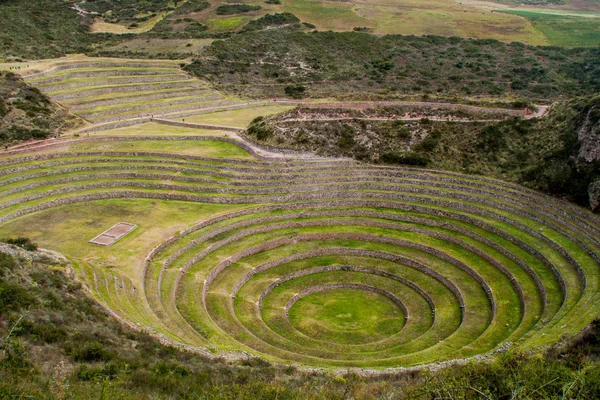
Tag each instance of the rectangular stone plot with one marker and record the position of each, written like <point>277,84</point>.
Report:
<point>103,240</point>
<point>113,234</point>
<point>120,229</point>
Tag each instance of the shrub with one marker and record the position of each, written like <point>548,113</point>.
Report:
<point>277,19</point>
<point>192,6</point>
<point>195,27</point>
<point>347,137</point>
<point>259,129</point>
<point>14,297</point>
<point>295,91</point>
<point>91,352</point>
<point>407,159</point>
<point>428,144</point>
<point>6,261</point>
<point>22,242</point>
<point>229,9</point>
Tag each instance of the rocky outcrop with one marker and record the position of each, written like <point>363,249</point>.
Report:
<point>589,135</point>
<point>594,193</point>
<point>40,255</point>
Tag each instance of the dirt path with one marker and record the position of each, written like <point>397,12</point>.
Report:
<point>235,132</point>
<point>403,118</point>
<point>362,105</point>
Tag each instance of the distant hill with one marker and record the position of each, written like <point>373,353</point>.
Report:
<point>361,65</point>
<point>51,28</point>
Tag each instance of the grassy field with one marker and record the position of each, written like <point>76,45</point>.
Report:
<point>347,316</point>
<point>436,17</point>
<point>474,19</point>
<point>328,263</point>
<point>237,118</point>
<point>155,129</point>
<point>565,29</point>
<point>337,16</point>
<point>106,90</point>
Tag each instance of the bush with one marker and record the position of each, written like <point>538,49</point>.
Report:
<point>195,27</point>
<point>14,297</point>
<point>22,242</point>
<point>6,261</point>
<point>259,129</point>
<point>277,19</point>
<point>229,9</point>
<point>428,144</point>
<point>347,137</point>
<point>192,6</point>
<point>406,159</point>
<point>295,91</point>
<point>91,352</point>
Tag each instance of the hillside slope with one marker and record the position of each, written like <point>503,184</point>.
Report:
<point>558,154</point>
<point>354,64</point>
<point>26,113</point>
<point>41,29</point>
<point>56,343</point>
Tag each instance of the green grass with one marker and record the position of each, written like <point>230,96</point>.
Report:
<point>204,148</point>
<point>156,129</point>
<point>226,24</point>
<point>237,118</point>
<point>124,87</point>
<point>327,15</point>
<point>337,328</point>
<point>568,30</point>
<point>121,95</point>
<point>65,73</point>
<point>54,309</point>
<point>103,80</point>
<point>149,103</point>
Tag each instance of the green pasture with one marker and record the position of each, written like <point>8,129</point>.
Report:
<point>566,29</point>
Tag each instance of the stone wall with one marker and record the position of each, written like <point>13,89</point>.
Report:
<point>322,288</point>
<point>154,96</point>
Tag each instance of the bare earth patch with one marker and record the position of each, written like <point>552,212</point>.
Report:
<point>113,234</point>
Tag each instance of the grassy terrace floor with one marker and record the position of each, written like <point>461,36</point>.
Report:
<point>106,90</point>
<point>322,262</point>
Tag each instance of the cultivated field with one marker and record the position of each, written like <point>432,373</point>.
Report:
<point>571,24</point>
<point>109,92</point>
<point>322,262</point>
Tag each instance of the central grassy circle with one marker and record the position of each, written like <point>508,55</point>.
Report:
<point>347,316</point>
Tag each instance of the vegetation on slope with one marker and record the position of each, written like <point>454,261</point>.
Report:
<point>230,9</point>
<point>56,343</point>
<point>42,29</point>
<point>119,10</point>
<point>272,20</point>
<point>264,63</point>
<point>26,113</point>
<point>558,154</point>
